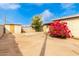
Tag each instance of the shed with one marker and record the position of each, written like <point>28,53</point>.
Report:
<point>72,23</point>
<point>13,28</point>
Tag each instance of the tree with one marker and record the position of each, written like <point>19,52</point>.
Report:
<point>36,23</point>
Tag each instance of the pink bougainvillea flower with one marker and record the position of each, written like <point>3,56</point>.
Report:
<point>58,28</point>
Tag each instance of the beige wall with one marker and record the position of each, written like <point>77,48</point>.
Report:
<point>17,28</point>
<point>73,25</point>
<point>1,30</point>
<point>7,29</point>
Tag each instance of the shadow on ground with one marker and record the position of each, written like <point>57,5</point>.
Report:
<point>8,46</point>
<point>57,37</point>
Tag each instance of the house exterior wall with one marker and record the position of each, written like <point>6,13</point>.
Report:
<point>12,28</point>
<point>17,29</point>
<point>73,25</point>
<point>7,28</point>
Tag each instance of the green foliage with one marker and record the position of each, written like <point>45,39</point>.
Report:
<point>36,23</point>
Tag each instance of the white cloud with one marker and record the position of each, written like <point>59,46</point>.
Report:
<point>67,5</point>
<point>11,6</point>
<point>47,16</point>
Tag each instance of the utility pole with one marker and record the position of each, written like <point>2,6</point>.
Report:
<point>4,20</point>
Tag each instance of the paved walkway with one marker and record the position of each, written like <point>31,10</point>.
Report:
<point>36,44</point>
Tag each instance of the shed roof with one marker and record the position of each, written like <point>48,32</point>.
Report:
<point>67,17</point>
<point>63,18</point>
<point>13,24</point>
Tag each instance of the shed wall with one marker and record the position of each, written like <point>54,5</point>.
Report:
<point>73,25</point>
<point>12,28</point>
<point>17,29</point>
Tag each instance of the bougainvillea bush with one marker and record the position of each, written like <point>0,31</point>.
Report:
<point>59,29</point>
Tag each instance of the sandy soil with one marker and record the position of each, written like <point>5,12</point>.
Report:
<point>35,44</point>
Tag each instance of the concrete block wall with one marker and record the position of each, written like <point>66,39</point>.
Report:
<point>1,30</point>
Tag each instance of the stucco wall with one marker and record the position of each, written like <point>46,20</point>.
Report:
<point>1,30</point>
<point>73,25</point>
<point>7,29</point>
<point>17,28</point>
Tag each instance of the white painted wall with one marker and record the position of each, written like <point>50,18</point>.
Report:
<point>17,28</point>
<point>7,29</point>
<point>73,25</point>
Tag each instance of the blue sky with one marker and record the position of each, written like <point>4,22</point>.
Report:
<point>22,13</point>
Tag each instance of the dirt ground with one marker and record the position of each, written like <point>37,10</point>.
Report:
<point>36,44</point>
